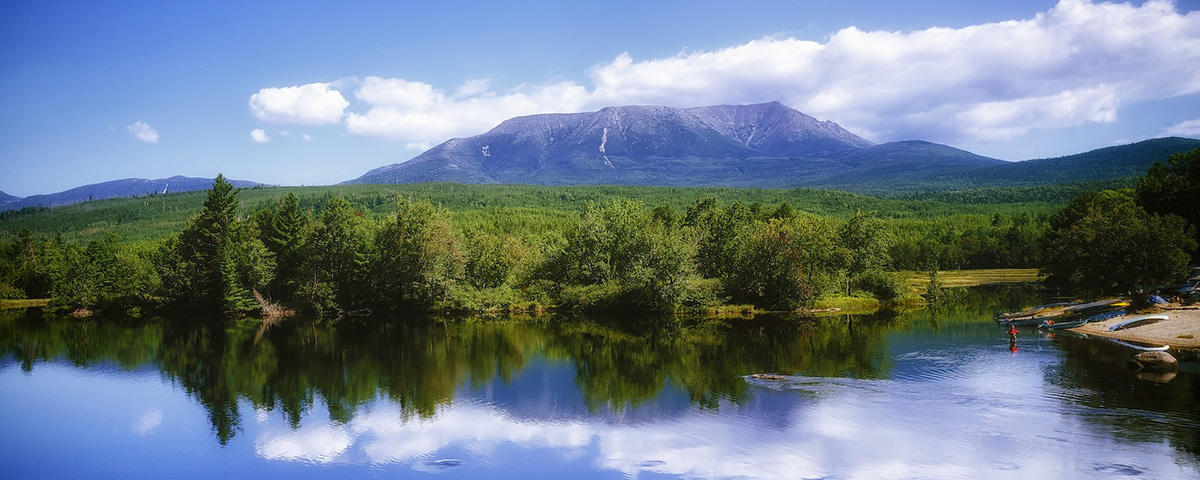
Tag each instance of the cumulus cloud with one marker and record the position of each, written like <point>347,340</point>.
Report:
<point>259,136</point>
<point>311,104</point>
<point>1190,128</point>
<point>143,132</point>
<point>422,115</point>
<point>1079,62</point>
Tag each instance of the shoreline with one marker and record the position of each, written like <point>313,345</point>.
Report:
<point>1180,331</point>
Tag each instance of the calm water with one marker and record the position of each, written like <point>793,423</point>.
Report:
<point>920,395</point>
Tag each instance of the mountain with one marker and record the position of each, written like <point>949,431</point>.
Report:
<point>128,187</point>
<point>765,145</point>
<point>906,161</point>
<point>6,199</point>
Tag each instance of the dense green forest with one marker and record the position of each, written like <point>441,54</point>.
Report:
<point>452,247</point>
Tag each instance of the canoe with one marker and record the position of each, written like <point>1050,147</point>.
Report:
<point>1137,322</point>
<point>1106,315</point>
<point>1022,322</point>
<point>1144,348</point>
<point>1027,313</point>
<point>1053,325</point>
<point>1094,305</point>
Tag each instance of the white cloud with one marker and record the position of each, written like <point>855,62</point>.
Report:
<point>143,132</point>
<point>311,104</point>
<point>1190,128</point>
<point>422,115</point>
<point>306,137</point>
<point>1079,62</point>
<point>259,136</point>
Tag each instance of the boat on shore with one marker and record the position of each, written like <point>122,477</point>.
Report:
<point>1137,322</point>
<point>1027,313</point>
<point>1085,307</point>
<point>1062,324</point>
<point>1106,315</point>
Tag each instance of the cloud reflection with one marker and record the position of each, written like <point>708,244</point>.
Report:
<point>957,428</point>
<point>148,422</point>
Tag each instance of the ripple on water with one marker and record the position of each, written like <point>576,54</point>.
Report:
<point>997,465</point>
<point>1118,469</point>
<point>435,466</point>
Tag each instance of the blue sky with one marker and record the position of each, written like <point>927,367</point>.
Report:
<point>311,93</point>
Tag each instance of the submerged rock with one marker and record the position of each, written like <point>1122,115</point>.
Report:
<point>1154,362</point>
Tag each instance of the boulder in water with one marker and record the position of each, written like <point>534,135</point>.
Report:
<point>1154,362</point>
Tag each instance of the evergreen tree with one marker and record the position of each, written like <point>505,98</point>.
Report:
<point>285,233</point>
<point>216,260</point>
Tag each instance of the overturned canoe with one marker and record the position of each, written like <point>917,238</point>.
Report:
<point>1058,325</point>
<point>1094,305</point>
<point>1024,321</point>
<point>1027,313</point>
<point>1137,322</point>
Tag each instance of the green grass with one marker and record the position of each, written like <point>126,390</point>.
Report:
<point>918,281</point>
<point>24,303</point>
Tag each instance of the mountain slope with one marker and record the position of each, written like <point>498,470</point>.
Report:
<point>764,145</point>
<point>1121,161</point>
<point>730,145</point>
<point>6,199</point>
<point>128,187</point>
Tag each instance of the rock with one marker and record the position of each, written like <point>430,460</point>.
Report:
<point>1154,362</point>
<point>768,376</point>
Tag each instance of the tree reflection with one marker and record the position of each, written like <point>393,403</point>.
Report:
<point>420,363</point>
<point>1098,368</point>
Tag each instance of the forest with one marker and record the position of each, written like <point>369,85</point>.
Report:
<point>474,248</point>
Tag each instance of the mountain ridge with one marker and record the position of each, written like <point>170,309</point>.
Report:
<point>125,187</point>
<point>766,145</point>
<point>723,145</point>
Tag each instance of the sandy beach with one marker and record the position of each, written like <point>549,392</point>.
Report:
<point>1181,329</point>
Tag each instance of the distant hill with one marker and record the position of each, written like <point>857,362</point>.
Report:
<point>1121,161</point>
<point>129,187</point>
<point>1110,166</point>
<point>6,199</point>
<point>762,145</point>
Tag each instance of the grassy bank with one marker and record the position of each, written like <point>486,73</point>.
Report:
<point>918,281</point>
<point>24,303</point>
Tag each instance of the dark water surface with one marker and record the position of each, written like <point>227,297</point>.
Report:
<point>914,395</point>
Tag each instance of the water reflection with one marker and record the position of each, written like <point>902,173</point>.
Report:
<point>931,393</point>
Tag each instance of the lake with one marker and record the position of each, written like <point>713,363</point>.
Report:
<point>922,394</point>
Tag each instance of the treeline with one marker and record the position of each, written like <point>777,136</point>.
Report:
<point>1118,240</point>
<point>616,256</point>
<point>336,255</point>
<point>522,210</point>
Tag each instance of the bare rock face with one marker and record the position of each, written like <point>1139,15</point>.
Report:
<point>1154,362</point>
